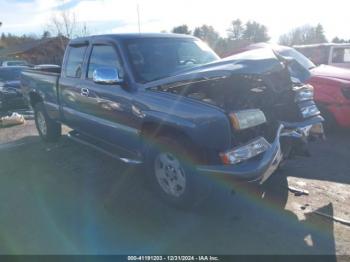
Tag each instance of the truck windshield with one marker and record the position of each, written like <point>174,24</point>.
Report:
<point>154,59</point>
<point>300,58</point>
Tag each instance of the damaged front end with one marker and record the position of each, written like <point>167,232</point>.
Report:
<point>272,114</point>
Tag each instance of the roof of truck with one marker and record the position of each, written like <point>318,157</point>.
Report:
<point>133,36</point>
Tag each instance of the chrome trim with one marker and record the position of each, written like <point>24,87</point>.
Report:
<point>86,143</point>
<point>130,161</point>
<point>106,75</point>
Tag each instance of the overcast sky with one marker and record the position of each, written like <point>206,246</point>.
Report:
<point>118,16</point>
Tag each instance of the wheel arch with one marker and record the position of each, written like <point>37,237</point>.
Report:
<point>34,98</point>
<point>150,131</point>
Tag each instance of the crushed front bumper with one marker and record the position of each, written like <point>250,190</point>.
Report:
<point>262,168</point>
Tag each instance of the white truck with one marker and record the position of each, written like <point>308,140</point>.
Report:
<point>328,54</point>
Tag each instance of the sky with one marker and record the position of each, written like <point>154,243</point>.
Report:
<point>120,16</point>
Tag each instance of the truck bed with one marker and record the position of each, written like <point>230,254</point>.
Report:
<point>44,83</point>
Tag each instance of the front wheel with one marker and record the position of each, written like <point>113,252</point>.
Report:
<point>172,174</point>
<point>48,129</point>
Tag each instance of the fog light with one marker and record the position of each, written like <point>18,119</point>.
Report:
<point>245,152</point>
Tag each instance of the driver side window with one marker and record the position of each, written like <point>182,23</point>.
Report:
<point>104,56</point>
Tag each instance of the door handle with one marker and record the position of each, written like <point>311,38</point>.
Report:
<point>84,91</point>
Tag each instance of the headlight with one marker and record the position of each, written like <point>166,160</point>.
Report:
<point>309,111</point>
<point>245,152</point>
<point>304,93</point>
<point>247,118</point>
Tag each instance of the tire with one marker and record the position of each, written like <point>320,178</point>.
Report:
<point>171,173</point>
<point>49,130</point>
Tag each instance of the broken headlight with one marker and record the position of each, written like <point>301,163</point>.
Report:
<point>242,153</point>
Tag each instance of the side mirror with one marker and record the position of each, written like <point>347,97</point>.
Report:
<point>107,76</point>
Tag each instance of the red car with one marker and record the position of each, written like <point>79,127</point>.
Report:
<point>331,85</point>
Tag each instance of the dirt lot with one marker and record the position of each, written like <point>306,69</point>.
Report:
<point>65,198</point>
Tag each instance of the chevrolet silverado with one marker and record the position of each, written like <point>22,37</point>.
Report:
<point>170,103</point>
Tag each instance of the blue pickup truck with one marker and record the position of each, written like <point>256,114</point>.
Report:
<point>170,103</point>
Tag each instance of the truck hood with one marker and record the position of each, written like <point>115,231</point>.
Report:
<point>331,72</point>
<point>262,62</point>
<point>254,79</point>
<point>252,62</point>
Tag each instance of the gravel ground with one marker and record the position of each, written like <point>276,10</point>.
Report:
<point>66,198</point>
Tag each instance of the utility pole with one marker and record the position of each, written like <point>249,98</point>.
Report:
<point>0,23</point>
<point>0,38</point>
<point>138,18</point>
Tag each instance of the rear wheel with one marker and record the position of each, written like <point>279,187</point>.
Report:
<point>48,129</point>
<point>172,174</point>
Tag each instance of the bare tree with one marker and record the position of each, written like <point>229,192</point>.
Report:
<point>64,25</point>
<point>304,35</point>
<point>236,30</point>
<point>84,31</point>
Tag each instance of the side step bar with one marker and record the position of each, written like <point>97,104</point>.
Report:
<point>77,138</point>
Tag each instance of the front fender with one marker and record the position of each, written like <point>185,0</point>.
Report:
<point>205,125</point>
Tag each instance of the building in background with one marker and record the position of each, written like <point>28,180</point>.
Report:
<point>43,51</point>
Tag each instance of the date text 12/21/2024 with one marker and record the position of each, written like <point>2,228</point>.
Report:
<point>173,258</point>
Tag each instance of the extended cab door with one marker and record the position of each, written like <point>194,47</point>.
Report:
<point>105,110</point>
<point>69,84</point>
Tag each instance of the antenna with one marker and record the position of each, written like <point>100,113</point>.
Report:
<point>138,17</point>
